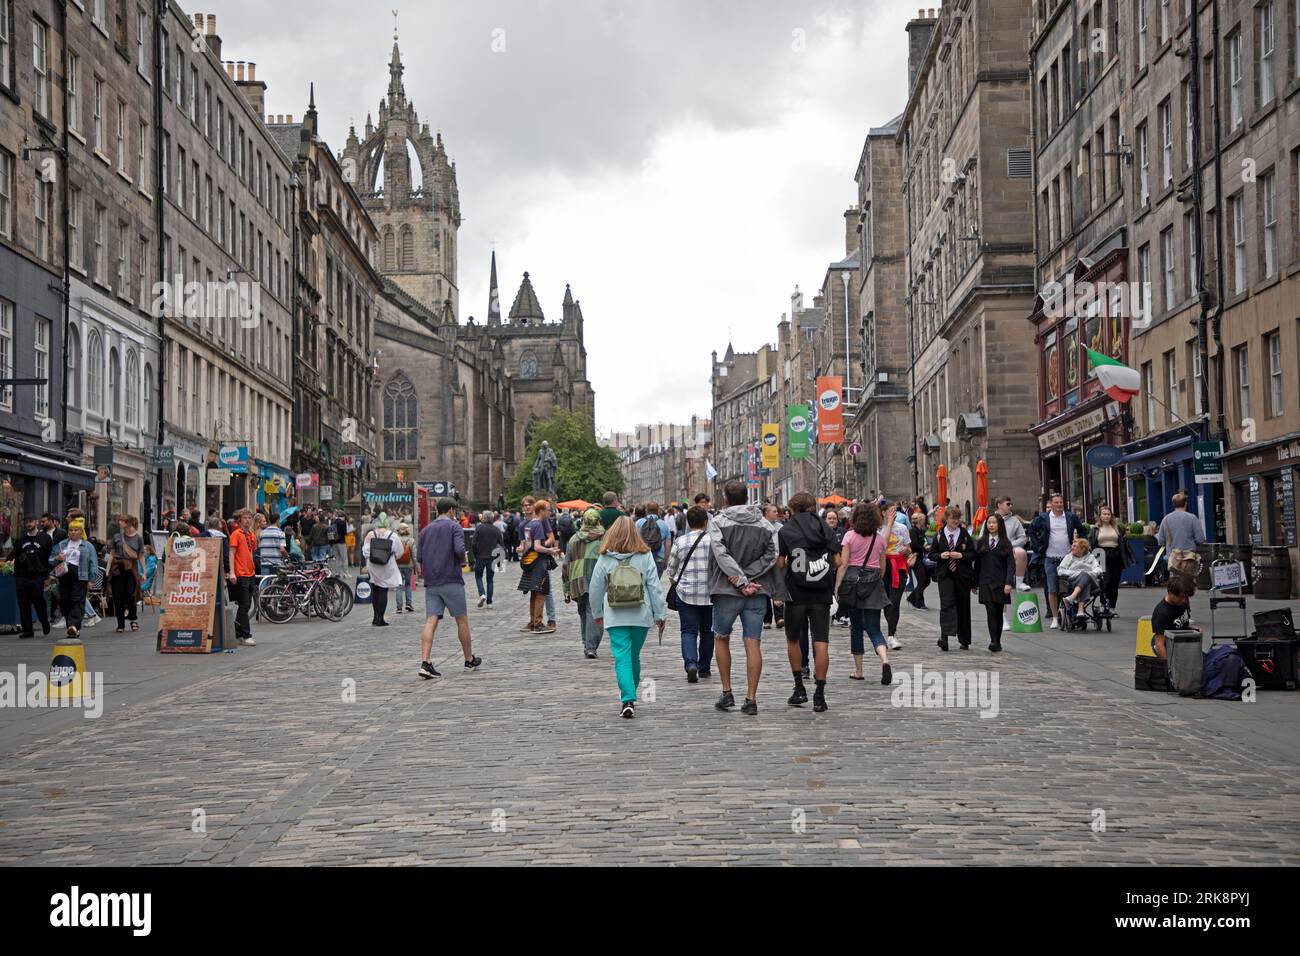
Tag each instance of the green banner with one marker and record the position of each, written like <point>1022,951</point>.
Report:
<point>796,423</point>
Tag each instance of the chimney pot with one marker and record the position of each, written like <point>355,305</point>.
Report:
<point>239,71</point>
<point>198,22</point>
<point>212,24</point>
<point>252,71</point>
<point>230,69</point>
<point>289,119</point>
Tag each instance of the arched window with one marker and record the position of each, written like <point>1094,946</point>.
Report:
<point>74,366</point>
<point>390,250</point>
<point>408,248</point>
<point>528,366</point>
<point>146,404</point>
<point>401,441</point>
<point>114,387</point>
<point>132,386</point>
<point>94,373</point>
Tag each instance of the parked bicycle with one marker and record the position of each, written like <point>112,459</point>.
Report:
<point>310,588</point>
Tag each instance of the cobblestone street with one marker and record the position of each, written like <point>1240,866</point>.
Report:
<point>527,761</point>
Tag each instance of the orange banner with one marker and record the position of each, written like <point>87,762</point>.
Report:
<point>830,410</point>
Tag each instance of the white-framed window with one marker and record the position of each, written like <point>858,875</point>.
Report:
<point>178,72</point>
<point>1164,20</point>
<point>94,372</point>
<point>1264,21</point>
<point>1170,274</point>
<point>207,110</point>
<point>1144,166</point>
<point>146,398</point>
<point>1193,264</point>
<point>1166,144</point>
<point>114,410</point>
<point>194,95</point>
<point>1235,112</point>
<point>6,353</point>
<point>44,219</point>
<point>1242,355</point>
<point>142,156</point>
<point>101,245</point>
<point>121,136</point>
<point>1144,279</point>
<point>6,190</point>
<point>1140,13</point>
<point>1194,400</point>
<point>97,120</point>
<point>98,14</point>
<point>207,204</point>
<point>43,329</point>
<point>1268,197</point>
<point>194,192</point>
<point>123,258</point>
<point>142,271</point>
<point>1188,116</point>
<point>165,173</point>
<point>74,363</point>
<point>1171,381</point>
<point>131,382</point>
<point>74,92</point>
<point>1273,345</point>
<point>40,68</point>
<point>75,254</point>
<point>6,42</point>
<point>1237,208</point>
<point>143,29</point>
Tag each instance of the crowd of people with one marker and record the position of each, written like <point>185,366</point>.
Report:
<point>749,567</point>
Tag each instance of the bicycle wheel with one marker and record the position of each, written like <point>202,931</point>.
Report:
<point>332,599</point>
<point>278,602</point>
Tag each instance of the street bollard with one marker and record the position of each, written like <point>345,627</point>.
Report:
<point>68,670</point>
<point>1145,638</point>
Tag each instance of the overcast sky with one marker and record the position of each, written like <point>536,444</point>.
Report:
<point>681,163</point>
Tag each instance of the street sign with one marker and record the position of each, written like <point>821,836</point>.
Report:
<point>355,462</point>
<point>219,477</point>
<point>326,492</point>
<point>855,449</point>
<point>308,479</point>
<point>1206,463</point>
<point>164,456</point>
<point>1104,456</point>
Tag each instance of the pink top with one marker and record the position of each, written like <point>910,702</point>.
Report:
<point>856,548</point>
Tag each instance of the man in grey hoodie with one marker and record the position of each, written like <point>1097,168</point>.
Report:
<point>742,577</point>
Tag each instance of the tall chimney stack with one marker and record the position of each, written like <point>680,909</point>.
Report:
<point>918,40</point>
<point>214,40</point>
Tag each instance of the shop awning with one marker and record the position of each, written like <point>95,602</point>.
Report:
<point>51,469</point>
<point>1156,450</point>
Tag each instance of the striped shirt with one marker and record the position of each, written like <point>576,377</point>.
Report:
<point>694,585</point>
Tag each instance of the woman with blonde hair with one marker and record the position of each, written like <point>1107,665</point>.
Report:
<point>75,564</point>
<point>626,598</point>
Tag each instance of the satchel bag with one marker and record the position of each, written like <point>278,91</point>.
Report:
<point>863,587</point>
<point>673,603</point>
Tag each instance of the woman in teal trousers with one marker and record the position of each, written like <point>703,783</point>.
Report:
<point>627,626</point>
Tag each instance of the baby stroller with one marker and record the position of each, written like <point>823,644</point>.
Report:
<point>1094,609</point>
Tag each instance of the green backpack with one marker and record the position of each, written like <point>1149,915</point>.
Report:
<point>626,587</point>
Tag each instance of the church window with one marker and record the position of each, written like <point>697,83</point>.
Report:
<point>390,250</point>
<point>401,441</point>
<point>528,366</point>
<point>408,248</point>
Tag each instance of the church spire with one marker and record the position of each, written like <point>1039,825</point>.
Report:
<point>494,296</point>
<point>396,91</point>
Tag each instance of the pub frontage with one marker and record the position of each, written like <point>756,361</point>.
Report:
<point>1261,507</point>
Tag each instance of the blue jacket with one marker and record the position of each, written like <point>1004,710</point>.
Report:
<point>651,610</point>
<point>89,563</point>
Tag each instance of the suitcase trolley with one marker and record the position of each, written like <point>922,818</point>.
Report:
<point>1228,584</point>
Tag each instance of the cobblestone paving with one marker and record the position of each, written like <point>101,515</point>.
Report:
<point>526,761</point>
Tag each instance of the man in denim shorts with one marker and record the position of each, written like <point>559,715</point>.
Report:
<point>742,577</point>
<point>441,550</point>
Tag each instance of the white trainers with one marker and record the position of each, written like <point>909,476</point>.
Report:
<point>482,601</point>
<point>1022,586</point>
<point>893,642</point>
<point>1006,625</point>
<point>1055,625</point>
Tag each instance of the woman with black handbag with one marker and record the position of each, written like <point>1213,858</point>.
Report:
<point>953,552</point>
<point>688,569</point>
<point>995,561</point>
<point>860,584</point>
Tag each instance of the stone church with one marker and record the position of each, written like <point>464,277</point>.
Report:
<point>458,401</point>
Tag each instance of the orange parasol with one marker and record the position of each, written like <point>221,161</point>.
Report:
<point>575,503</point>
<point>941,476</point>
<point>981,493</point>
<point>837,500</point>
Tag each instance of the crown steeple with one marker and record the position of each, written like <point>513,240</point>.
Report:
<point>396,91</point>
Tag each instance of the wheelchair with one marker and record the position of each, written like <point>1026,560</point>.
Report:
<point>1094,610</point>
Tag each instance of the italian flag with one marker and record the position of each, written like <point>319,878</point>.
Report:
<point>1118,380</point>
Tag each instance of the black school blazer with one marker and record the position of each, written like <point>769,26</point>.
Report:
<point>965,565</point>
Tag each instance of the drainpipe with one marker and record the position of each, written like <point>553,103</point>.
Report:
<point>160,11</point>
<point>1216,317</point>
<point>65,201</point>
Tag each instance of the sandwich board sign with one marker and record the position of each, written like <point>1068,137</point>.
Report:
<point>191,596</point>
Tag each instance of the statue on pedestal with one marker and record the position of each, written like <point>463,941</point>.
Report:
<point>544,469</point>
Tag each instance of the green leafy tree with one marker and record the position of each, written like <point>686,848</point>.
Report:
<point>586,469</point>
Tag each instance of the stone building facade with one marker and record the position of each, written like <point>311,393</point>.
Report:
<point>967,178</point>
<point>336,297</point>
<point>743,385</point>
<point>881,414</point>
<point>667,463</point>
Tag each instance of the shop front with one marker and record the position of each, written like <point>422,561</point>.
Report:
<point>275,488</point>
<point>1159,466</point>
<point>1261,502</point>
<point>1087,310</point>
<point>183,486</point>
<point>32,483</point>
<point>123,486</point>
